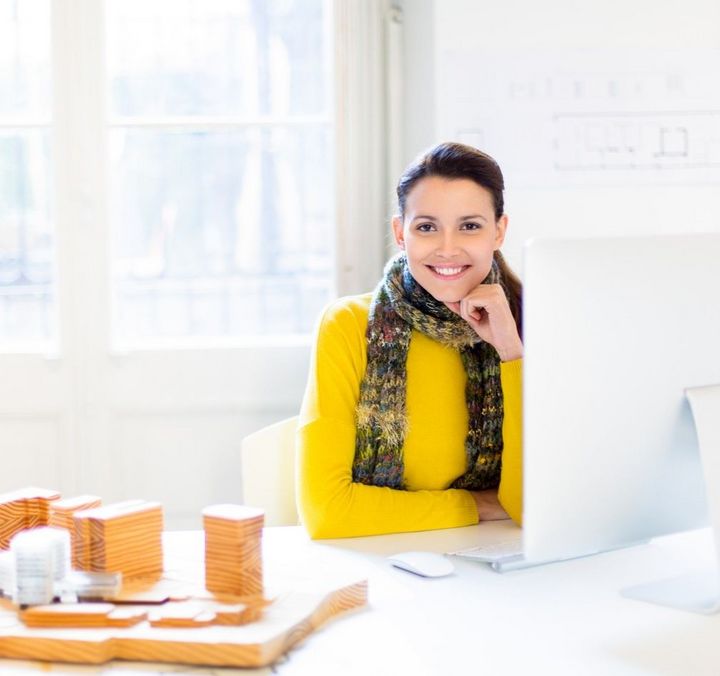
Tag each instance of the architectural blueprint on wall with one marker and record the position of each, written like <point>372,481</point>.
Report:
<point>587,117</point>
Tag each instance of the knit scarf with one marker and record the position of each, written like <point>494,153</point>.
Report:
<point>398,306</point>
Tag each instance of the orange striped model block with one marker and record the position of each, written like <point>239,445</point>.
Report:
<point>125,537</point>
<point>61,516</point>
<point>24,508</point>
<point>233,549</point>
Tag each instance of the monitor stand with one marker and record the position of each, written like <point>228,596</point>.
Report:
<point>699,593</point>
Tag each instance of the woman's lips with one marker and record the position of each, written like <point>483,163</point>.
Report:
<point>448,272</point>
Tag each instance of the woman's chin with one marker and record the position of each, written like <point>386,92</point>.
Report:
<point>445,292</point>
<point>447,297</point>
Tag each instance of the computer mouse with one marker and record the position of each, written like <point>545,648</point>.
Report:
<point>426,564</point>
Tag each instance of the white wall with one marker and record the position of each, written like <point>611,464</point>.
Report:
<point>495,30</point>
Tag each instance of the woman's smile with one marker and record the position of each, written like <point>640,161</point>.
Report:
<point>448,272</point>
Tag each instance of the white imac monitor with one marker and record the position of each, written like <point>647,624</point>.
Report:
<point>615,330</point>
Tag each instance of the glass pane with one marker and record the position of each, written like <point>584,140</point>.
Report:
<point>25,58</point>
<point>26,237</point>
<point>218,57</point>
<point>221,232</point>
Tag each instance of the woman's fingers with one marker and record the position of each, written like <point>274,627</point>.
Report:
<point>478,302</point>
<point>487,311</point>
<point>474,311</point>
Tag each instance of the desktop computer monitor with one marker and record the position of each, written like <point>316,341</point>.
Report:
<point>615,330</point>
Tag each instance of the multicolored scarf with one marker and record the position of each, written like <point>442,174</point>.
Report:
<point>400,305</point>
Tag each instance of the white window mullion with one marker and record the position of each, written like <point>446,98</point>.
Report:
<point>80,204</point>
<point>24,123</point>
<point>201,121</point>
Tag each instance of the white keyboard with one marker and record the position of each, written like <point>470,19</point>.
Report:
<point>501,556</point>
<point>494,552</point>
<point>509,555</point>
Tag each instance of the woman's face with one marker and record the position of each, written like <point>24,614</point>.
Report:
<point>449,234</point>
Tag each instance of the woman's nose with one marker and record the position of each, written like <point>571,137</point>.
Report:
<point>448,245</point>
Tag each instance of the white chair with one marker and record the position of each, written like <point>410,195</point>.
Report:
<point>268,472</point>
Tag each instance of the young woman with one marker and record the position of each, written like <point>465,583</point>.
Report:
<point>412,414</point>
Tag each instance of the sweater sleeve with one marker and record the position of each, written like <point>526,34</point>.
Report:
<point>330,504</point>
<point>511,486</point>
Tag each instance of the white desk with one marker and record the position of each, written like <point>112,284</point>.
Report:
<point>564,618</point>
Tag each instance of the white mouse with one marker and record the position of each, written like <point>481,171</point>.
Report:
<point>427,564</point>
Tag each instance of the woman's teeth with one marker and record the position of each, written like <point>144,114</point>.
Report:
<point>448,272</point>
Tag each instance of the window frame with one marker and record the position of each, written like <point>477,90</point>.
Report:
<point>80,128</point>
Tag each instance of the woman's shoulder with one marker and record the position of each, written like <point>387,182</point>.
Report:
<point>348,312</point>
<point>343,325</point>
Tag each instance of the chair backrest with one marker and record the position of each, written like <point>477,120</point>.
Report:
<point>268,472</point>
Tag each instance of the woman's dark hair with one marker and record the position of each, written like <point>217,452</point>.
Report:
<point>458,161</point>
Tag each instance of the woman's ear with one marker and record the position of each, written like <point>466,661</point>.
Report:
<point>500,230</point>
<point>397,227</point>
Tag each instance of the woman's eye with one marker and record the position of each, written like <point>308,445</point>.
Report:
<point>471,225</point>
<point>426,227</point>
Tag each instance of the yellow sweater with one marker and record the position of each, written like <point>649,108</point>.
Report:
<point>330,504</point>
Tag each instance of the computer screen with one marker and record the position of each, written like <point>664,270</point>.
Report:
<point>615,330</point>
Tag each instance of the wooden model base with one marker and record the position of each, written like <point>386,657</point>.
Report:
<point>287,620</point>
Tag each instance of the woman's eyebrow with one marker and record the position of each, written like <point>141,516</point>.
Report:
<point>462,218</point>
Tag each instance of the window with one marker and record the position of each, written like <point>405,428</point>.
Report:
<point>220,166</point>
<point>202,187</point>
<point>27,309</point>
